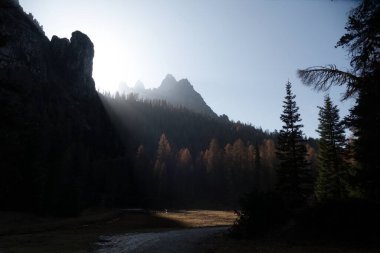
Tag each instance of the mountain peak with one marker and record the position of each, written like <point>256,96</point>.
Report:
<point>170,77</point>
<point>169,81</point>
<point>139,86</point>
<point>185,83</point>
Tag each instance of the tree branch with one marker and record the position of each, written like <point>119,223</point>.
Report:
<point>322,78</point>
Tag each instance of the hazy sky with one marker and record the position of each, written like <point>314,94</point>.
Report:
<point>237,53</point>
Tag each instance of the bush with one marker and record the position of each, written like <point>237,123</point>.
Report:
<point>260,212</point>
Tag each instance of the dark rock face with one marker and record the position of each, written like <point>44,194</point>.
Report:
<point>56,138</point>
<point>27,55</point>
<point>59,48</point>
<point>23,48</point>
<point>80,54</point>
<point>74,58</point>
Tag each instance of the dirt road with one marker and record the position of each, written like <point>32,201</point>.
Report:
<point>174,241</point>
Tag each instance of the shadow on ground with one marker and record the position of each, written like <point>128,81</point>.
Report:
<point>28,233</point>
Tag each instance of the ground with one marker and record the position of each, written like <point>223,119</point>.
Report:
<point>172,241</point>
<point>223,244</point>
<point>27,233</point>
<point>133,231</point>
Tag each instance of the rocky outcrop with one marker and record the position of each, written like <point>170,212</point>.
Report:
<point>74,58</point>
<point>26,55</point>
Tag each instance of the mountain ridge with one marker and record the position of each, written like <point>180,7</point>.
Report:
<point>178,93</point>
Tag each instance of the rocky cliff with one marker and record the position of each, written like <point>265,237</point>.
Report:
<point>55,135</point>
<point>74,59</point>
<point>27,55</point>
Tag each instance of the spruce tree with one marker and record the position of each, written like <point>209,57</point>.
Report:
<point>293,176</point>
<point>362,42</point>
<point>330,181</point>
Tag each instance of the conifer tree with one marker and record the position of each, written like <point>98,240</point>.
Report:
<point>362,42</point>
<point>293,176</point>
<point>330,180</point>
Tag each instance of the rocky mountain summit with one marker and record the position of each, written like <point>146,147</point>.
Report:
<point>26,55</point>
<point>177,93</point>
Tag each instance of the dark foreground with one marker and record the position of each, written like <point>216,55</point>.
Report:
<point>21,233</point>
<point>200,231</point>
<point>184,241</point>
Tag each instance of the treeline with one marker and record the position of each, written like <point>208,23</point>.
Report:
<point>185,159</point>
<point>214,178</point>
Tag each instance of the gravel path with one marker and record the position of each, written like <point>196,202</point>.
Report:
<point>175,241</point>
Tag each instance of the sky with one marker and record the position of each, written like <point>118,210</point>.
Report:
<point>238,54</point>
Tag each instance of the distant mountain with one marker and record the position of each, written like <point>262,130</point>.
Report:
<point>177,93</point>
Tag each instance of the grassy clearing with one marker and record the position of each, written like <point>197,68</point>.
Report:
<point>201,218</point>
<point>27,233</point>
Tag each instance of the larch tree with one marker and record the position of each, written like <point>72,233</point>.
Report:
<point>293,174</point>
<point>162,168</point>
<point>163,153</point>
<point>258,173</point>
<point>330,183</point>
<point>183,175</point>
<point>214,166</point>
<point>184,158</point>
<point>268,163</point>
<point>214,156</point>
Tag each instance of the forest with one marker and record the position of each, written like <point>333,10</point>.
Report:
<point>186,159</point>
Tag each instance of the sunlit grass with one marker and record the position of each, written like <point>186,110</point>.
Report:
<point>200,218</point>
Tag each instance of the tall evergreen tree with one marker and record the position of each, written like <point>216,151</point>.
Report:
<point>362,42</point>
<point>331,170</point>
<point>292,174</point>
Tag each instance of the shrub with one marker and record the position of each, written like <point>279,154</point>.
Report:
<point>259,213</point>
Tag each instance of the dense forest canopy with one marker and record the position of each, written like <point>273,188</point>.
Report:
<point>219,160</point>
